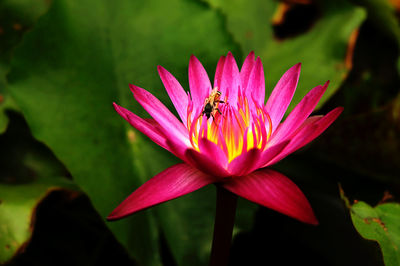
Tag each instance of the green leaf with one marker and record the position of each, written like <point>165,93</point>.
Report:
<point>78,60</point>
<point>381,224</point>
<point>17,17</point>
<point>6,102</point>
<point>18,203</point>
<point>321,49</point>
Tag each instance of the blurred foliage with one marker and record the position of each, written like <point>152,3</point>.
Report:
<point>85,55</point>
<point>323,44</point>
<point>64,62</point>
<point>16,17</point>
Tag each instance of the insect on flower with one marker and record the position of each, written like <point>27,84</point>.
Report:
<point>235,152</point>
<point>211,104</point>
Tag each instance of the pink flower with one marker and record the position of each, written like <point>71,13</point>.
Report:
<point>236,144</point>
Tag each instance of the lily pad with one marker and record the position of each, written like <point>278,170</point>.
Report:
<point>381,224</point>
<point>85,55</point>
<point>16,18</point>
<point>322,49</point>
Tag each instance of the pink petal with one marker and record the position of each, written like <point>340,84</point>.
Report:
<point>175,91</point>
<point>283,93</point>
<point>142,125</point>
<point>200,85</point>
<point>176,147</point>
<point>212,151</point>
<point>310,120</point>
<point>321,125</point>
<point>172,183</point>
<point>271,152</point>
<point>246,69</point>
<point>256,87</point>
<point>299,113</point>
<point>154,131</point>
<point>230,80</point>
<point>218,72</point>
<point>244,163</point>
<point>206,164</point>
<point>313,127</point>
<point>275,191</point>
<point>173,128</point>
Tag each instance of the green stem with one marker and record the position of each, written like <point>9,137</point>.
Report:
<point>223,227</point>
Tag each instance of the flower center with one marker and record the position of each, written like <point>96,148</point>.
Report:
<point>234,129</point>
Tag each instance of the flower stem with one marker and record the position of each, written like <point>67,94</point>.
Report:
<point>223,227</point>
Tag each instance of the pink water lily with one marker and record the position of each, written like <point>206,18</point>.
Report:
<point>235,146</point>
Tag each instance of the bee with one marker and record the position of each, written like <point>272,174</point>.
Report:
<point>211,104</point>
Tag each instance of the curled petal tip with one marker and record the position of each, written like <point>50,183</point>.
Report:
<point>314,222</point>
<point>297,66</point>
<point>311,219</point>
<point>118,109</point>
<point>112,217</point>
<point>324,87</point>
<point>161,71</point>
<point>135,89</point>
<point>251,55</point>
<point>192,58</point>
<point>132,87</point>
<point>337,110</point>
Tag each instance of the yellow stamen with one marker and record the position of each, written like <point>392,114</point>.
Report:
<point>232,128</point>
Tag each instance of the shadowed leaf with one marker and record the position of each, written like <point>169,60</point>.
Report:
<point>18,203</point>
<point>86,54</point>
<point>16,18</point>
<point>322,49</point>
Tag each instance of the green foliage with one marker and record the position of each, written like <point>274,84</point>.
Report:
<point>321,49</point>
<point>18,203</point>
<point>85,56</point>
<point>64,70</point>
<point>16,17</point>
<point>380,223</point>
